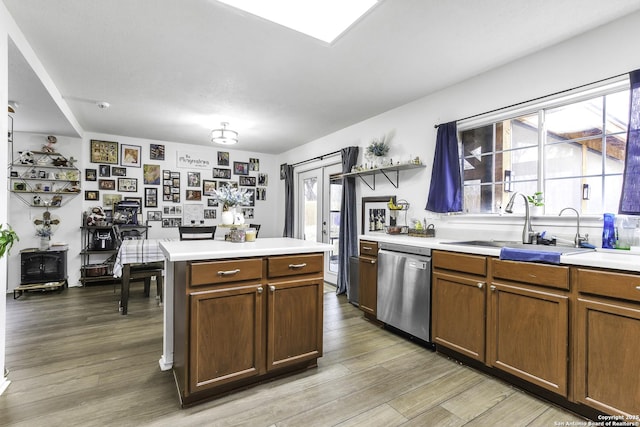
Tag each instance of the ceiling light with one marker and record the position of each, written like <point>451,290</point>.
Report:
<point>322,19</point>
<point>224,136</point>
<point>103,105</point>
<point>13,106</point>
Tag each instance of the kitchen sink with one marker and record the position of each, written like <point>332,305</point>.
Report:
<point>564,250</point>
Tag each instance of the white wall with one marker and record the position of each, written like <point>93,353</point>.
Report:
<point>599,54</point>
<point>21,216</point>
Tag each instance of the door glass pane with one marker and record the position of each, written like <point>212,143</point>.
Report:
<point>310,217</point>
<point>335,200</point>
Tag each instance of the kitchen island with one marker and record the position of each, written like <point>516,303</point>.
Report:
<point>240,313</point>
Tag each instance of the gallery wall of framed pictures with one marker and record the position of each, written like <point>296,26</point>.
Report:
<point>165,187</point>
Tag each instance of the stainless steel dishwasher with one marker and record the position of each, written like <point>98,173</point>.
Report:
<point>404,288</point>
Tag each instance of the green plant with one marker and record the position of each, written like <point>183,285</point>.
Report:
<point>378,147</point>
<point>537,199</point>
<point>7,238</point>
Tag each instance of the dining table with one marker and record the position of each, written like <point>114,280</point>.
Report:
<point>137,258</point>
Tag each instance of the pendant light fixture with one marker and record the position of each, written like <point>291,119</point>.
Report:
<point>224,136</point>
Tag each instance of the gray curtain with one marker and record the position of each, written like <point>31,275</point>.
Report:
<point>348,234</point>
<point>289,209</point>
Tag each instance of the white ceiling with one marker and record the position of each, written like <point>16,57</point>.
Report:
<point>173,70</point>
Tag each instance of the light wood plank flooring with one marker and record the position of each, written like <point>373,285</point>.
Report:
<point>75,361</point>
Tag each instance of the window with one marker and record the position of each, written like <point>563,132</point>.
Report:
<point>572,151</point>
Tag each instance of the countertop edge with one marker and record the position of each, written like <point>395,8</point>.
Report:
<point>618,261</point>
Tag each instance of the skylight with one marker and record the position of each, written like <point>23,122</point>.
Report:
<point>322,19</point>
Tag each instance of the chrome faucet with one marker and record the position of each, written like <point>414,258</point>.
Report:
<point>578,239</point>
<point>528,235</point>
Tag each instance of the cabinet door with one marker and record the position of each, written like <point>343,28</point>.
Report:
<point>368,287</point>
<point>294,321</point>
<point>528,335</point>
<point>226,332</point>
<point>459,314</point>
<point>607,358</point>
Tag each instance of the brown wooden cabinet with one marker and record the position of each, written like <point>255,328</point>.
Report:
<point>607,341</point>
<point>239,321</point>
<point>368,277</point>
<point>459,280</point>
<point>528,324</point>
<point>294,310</point>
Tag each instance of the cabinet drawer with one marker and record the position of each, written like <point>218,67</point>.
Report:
<point>552,276</point>
<point>294,265</point>
<point>609,284</point>
<point>212,272</point>
<point>368,248</point>
<point>464,263</point>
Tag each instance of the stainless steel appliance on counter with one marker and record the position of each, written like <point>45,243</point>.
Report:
<point>404,288</point>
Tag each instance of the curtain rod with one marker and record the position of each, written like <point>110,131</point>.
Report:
<point>517,104</point>
<point>333,153</point>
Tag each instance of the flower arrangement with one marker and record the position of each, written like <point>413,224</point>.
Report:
<point>378,147</point>
<point>44,232</point>
<point>231,197</point>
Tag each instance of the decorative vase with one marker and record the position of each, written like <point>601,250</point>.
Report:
<point>228,216</point>
<point>44,243</point>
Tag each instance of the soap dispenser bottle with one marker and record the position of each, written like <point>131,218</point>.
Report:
<point>609,231</point>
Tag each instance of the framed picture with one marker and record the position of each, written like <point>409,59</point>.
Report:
<point>193,179</point>
<point>261,193</point>
<point>210,214</point>
<point>104,170</point>
<point>376,214</point>
<point>151,174</point>
<point>104,152</point>
<point>194,195</point>
<point>223,158</point>
<point>212,202</point>
<point>222,173</point>
<point>90,174</point>
<point>230,184</point>
<point>254,164</point>
<point>92,195</point>
<point>251,192</point>
<point>156,152</point>
<point>118,171</point>
<point>241,168</point>
<point>128,185</point>
<point>263,179</point>
<point>150,197</point>
<point>283,170</point>
<point>111,199</point>
<point>172,210</point>
<point>247,181</point>
<point>130,155</point>
<point>154,215</point>
<point>208,186</point>
<point>107,184</point>
<point>42,174</point>
<point>248,213</point>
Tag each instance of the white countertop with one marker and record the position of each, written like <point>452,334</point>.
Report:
<point>193,250</point>
<point>614,259</point>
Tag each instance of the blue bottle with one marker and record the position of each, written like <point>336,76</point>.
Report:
<point>609,232</point>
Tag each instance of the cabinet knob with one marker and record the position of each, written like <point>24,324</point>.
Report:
<point>272,288</point>
<point>493,288</point>
<point>480,285</point>
<point>260,290</point>
<point>373,261</point>
<point>638,288</point>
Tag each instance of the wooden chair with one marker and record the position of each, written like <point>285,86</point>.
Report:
<point>197,233</point>
<point>257,227</point>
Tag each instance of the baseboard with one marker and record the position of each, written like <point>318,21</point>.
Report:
<point>4,384</point>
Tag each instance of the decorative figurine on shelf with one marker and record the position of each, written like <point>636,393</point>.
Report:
<point>96,216</point>
<point>51,140</point>
<point>60,161</point>
<point>26,157</point>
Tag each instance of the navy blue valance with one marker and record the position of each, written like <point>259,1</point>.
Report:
<point>445,192</point>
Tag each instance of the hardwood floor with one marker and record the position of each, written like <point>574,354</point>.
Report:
<point>75,361</point>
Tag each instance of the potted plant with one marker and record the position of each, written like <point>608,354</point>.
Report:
<point>536,200</point>
<point>230,198</point>
<point>7,238</point>
<point>378,149</point>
